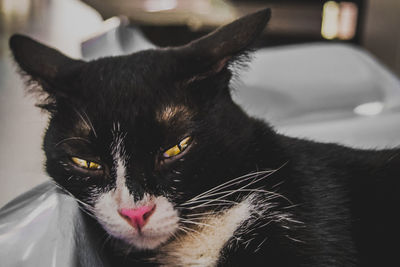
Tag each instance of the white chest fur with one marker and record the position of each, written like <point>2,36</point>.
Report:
<point>203,247</point>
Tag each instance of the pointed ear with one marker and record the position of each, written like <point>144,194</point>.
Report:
<point>38,60</point>
<point>45,66</point>
<point>213,52</point>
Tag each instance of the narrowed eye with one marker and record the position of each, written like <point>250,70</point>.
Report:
<point>86,164</point>
<point>177,149</point>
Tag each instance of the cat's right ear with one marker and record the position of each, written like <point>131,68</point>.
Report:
<point>44,65</point>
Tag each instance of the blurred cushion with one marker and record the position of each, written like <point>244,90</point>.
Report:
<point>325,92</point>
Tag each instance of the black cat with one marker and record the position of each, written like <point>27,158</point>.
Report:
<point>153,147</point>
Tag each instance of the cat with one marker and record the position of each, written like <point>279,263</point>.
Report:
<point>176,174</point>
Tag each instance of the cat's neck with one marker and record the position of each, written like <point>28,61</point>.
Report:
<point>266,150</point>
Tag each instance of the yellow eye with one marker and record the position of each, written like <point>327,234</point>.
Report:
<point>86,164</point>
<point>177,149</point>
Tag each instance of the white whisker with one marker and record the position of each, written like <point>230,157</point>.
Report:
<point>86,207</point>
<point>202,214</point>
<point>196,223</point>
<point>211,200</point>
<point>189,229</point>
<point>234,191</point>
<point>257,190</point>
<point>71,138</point>
<point>205,206</point>
<point>230,183</point>
<point>238,180</point>
<point>90,123</point>
<point>259,246</point>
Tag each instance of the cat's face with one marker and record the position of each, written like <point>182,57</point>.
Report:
<point>132,143</point>
<point>135,138</point>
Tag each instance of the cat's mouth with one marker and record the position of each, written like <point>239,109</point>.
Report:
<point>150,238</point>
<point>146,224</point>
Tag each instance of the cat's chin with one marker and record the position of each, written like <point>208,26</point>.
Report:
<point>147,242</point>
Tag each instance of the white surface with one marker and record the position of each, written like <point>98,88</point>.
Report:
<point>313,91</point>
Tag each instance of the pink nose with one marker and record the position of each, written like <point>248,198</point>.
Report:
<point>137,217</point>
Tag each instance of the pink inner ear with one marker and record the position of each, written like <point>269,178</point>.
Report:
<point>220,64</point>
<point>217,67</point>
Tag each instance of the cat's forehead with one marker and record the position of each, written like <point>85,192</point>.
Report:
<point>144,66</point>
<point>134,92</point>
<point>129,81</point>
<point>170,118</point>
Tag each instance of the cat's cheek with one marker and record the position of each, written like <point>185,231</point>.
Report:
<point>160,227</point>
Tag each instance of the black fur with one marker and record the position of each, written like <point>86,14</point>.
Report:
<point>342,202</point>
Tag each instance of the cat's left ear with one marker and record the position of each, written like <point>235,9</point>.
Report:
<point>45,65</point>
<point>213,52</point>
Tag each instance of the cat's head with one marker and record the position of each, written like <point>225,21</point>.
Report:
<point>135,137</point>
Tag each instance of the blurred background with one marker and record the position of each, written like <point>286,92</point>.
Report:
<point>331,66</point>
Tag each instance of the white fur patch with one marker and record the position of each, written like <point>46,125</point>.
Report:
<point>160,226</point>
<point>203,247</point>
